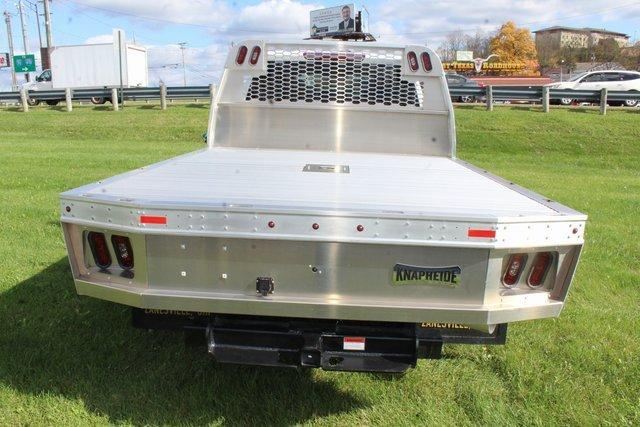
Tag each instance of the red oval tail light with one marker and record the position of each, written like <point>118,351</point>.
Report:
<point>514,270</point>
<point>426,61</point>
<point>412,59</point>
<point>123,250</point>
<point>255,55</point>
<point>541,264</point>
<point>99,249</point>
<point>242,54</point>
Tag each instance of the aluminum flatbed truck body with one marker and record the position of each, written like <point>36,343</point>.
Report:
<point>328,222</point>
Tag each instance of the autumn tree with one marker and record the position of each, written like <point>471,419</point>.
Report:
<point>513,44</point>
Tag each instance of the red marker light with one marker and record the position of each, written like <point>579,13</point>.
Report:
<point>315,226</point>
<point>271,224</point>
<point>151,219</point>
<point>360,228</point>
<point>426,61</point>
<point>412,59</point>
<point>242,54</point>
<point>514,270</point>
<point>255,54</point>
<point>487,234</point>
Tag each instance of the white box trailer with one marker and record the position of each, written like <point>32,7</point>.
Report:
<point>328,223</point>
<point>95,66</point>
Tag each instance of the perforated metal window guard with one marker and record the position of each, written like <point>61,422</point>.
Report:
<point>337,81</point>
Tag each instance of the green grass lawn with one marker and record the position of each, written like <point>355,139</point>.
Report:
<point>71,360</point>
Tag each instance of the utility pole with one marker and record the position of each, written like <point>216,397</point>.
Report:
<point>14,81</point>
<point>47,23</point>
<point>183,46</point>
<point>35,5</point>
<point>25,41</point>
<point>45,53</point>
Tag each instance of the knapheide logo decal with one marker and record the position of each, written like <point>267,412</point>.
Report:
<point>415,275</point>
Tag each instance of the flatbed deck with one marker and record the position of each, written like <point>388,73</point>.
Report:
<point>277,180</point>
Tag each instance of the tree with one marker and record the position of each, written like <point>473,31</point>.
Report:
<point>453,41</point>
<point>478,44</point>
<point>607,50</point>
<point>457,40</point>
<point>513,44</point>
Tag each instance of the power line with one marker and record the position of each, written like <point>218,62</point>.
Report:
<point>168,21</point>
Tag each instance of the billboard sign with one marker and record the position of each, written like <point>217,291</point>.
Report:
<point>4,60</point>
<point>464,55</point>
<point>333,21</point>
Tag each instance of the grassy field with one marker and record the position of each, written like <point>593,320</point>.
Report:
<point>71,360</point>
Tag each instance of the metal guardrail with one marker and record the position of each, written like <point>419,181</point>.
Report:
<point>489,94</point>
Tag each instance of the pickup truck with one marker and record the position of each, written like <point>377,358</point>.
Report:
<point>328,222</point>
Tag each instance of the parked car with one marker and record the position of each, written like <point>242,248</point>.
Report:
<point>615,80</point>
<point>457,81</point>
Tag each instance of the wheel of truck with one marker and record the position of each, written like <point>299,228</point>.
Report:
<point>566,101</point>
<point>467,99</point>
<point>630,102</point>
<point>98,100</point>
<point>33,102</point>
<point>52,102</point>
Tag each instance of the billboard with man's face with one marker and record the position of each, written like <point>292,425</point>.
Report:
<point>334,20</point>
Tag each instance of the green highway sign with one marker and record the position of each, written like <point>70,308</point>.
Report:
<point>24,63</point>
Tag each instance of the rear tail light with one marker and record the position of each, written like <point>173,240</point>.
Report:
<point>541,264</point>
<point>412,59</point>
<point>124,253</point>
<point>255,54</point>
<point>242,54</point>
<point>99,249</point>
<point>426,61</point>
<point>514,270</point>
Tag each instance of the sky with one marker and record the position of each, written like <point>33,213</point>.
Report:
<point>208,27</point>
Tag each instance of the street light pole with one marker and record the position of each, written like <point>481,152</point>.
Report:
<point>183,46</point>
<point>7,20</point>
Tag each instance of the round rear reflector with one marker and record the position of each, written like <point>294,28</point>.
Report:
<point>242,54</point>
<point>412,59</point>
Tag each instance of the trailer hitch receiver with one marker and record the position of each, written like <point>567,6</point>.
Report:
<point>265,286</point>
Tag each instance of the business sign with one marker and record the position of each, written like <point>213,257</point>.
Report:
<point>4,60</point>
<point>464,55</point>
<point>333,21</point>
<point>24,63</point>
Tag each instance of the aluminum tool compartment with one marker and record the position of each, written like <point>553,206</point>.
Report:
<point>328,207</point>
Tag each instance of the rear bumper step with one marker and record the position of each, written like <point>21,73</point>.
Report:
<point>318,343</point>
